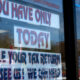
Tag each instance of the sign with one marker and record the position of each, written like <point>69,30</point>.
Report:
<point>19,12</point>
<point>30,38</point>
<point>29,65</point>
<point>55,5</point>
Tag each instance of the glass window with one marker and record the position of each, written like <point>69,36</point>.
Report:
<point>78,32</point>
<point>32,40</point>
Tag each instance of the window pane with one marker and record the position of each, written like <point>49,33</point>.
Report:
<point>32,40</point>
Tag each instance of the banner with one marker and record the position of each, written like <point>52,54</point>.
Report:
<point>19,12</point>
<point>31,38</point>
<point>29,65</point>
<point>55,5</point>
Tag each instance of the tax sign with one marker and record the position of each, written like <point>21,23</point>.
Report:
<point>30,38</point>
<point>29,65</point>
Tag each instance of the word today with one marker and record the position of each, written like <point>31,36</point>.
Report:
<point>30,38</point>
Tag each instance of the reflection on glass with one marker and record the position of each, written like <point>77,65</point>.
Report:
<point>20,38</point>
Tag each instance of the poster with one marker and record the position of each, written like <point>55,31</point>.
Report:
<point>27,14</point>
<point>31,38</point>
<point>55,5</point>
<point>29,65</point>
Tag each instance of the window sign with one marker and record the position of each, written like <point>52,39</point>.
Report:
<point>28,14</point>
<point>50,4</point>
<point>30,38</point>
<point>29,65</point>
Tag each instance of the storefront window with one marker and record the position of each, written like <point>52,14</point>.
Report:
<point>32,40</point>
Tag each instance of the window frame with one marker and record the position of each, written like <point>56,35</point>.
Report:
<point>70,39</point>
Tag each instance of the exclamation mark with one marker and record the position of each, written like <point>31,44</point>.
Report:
<point>22,74</point>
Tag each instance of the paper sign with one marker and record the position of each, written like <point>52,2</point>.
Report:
<point>19,12</point>
<point>31,38</point>
<point>29,65</point>
<point>55,5</point>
